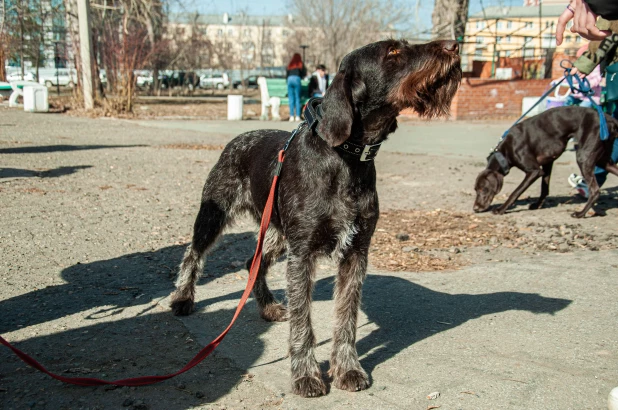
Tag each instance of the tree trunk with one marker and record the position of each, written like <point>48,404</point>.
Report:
<point>449,19</point>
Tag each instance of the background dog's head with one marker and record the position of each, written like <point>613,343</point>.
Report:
<point>487,185</point>
<point>375,82</point>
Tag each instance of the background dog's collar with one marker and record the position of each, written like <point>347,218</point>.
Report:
<point>502,162</point>
<point>313,115</point>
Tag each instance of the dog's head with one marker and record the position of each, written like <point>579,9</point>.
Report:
<point>487,186</point>
<point>376,82</point>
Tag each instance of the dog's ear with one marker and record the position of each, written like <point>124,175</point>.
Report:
<point>339,110</point>
<point>499,180</point>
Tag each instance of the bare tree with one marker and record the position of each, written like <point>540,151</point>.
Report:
<point>449,19</point>
<point>333,28</point>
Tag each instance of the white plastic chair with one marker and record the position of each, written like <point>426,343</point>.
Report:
<point>17,91</point>
<point>267,101</point>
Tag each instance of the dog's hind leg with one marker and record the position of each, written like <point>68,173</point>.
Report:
<point>209,223</point>
<point>270,309</point>
<point>306,376</point>
<point>586,165</point>
<point>345,368</point>
<point>544,186</point>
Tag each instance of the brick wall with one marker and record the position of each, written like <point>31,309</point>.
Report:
<point>491,99</point>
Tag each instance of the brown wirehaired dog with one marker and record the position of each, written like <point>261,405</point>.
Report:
<point>326,203</point>
<point>533,146</point>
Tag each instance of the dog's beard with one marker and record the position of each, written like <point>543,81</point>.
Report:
<point>430,89</point>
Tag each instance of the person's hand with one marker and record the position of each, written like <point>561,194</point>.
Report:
<point>584,22</point>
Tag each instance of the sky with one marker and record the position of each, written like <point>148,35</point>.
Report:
<point>279,7</point>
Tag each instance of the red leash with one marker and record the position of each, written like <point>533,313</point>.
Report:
<point>206,351</point>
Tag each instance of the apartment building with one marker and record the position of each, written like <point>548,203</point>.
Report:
<point>526,32</point>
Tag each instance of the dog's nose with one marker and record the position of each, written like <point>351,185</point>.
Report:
<point>451,46</point>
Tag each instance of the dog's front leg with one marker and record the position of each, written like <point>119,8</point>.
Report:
<point>345,368</point>
<point>530,177</point>
<point>306,375</point>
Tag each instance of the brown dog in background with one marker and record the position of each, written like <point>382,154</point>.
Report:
<point>533,146</point>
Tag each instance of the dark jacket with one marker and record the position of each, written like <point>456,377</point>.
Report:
<point>301,72</point>
<point>314,85</point>
<point>608,9</point>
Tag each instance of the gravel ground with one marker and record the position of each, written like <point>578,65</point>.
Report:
<point>96,214</point>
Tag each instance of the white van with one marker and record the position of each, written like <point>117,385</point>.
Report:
<point>60,76</point>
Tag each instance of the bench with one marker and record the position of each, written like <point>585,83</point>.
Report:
<point>274,93</point>
<point>5,89</point>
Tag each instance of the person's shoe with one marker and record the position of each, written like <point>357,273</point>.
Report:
<point>612,401</point>
<point>575,180</point>
<point>582,189</point>
<point>291,119</point>
<point>297,119</point>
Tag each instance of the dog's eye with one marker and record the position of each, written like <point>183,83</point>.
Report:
<point>393,51</point>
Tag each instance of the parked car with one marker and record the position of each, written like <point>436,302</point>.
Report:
<point>144,79</point>
<point>16,76</point>
<point>171,79</point>
<point>61,76</point>
<point>218,81</point>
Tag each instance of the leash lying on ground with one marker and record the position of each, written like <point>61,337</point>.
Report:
<point>206,351</point>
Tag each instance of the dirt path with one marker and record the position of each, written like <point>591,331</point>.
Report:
<point>95,215</point>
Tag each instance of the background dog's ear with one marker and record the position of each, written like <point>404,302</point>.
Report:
<point>338,107</point>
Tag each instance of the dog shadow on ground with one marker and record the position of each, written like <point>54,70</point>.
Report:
<point>50,173</point>
<point>100,341</point>
<point>606,201</point>
<point>46,149</point>
<point>406,313</point>
<point>152,341</point>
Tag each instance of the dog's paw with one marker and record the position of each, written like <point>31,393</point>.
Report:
<point>309,387</point>
<point>182,307</point>
<point>498,211</point>
<point>578,215</point>
<point>353,380</point>
<point>274,312</point>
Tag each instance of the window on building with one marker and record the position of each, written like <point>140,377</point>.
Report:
<point>527,39</point>
<point>498,40</point>
<point>219,32</point>
<point>480,25</point>
<point>508,39</point>
<point>478,52</point>
<point>567,39</point>
<point>507,53</point>
<point>480,40</point>
<point>529,25</point>
<point>578,39</point>
<point>499,25</point>
<point>246,32</point>
<point>509,24</point>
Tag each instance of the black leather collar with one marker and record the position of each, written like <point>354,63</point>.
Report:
<point>502,162</point>
<point>313,115</point>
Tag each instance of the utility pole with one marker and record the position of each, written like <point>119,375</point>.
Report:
<point>85,40</point>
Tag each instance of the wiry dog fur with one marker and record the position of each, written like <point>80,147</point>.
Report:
<point>326,203</point>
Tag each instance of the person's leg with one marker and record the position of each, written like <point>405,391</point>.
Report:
<point>291,95</point>
<point>600,174</point>
<point>297,92</point>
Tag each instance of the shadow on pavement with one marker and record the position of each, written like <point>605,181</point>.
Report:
<point>50,173</point>
<point>43,149</point>
<point>154,342</point>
